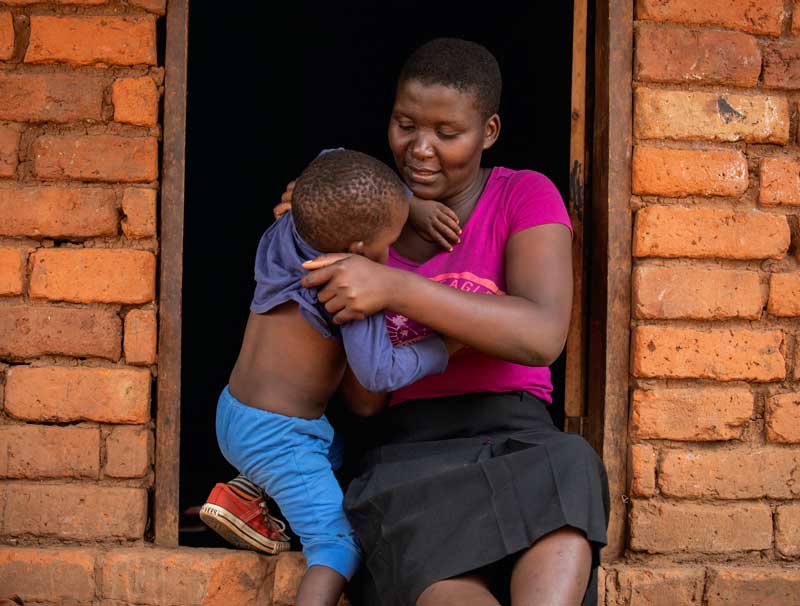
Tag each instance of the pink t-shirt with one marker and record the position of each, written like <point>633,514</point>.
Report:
<point>510,202</point>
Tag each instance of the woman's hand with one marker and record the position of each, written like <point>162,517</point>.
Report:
<point>434,222</point>
<point>285,205</point>
<point>354,287</point>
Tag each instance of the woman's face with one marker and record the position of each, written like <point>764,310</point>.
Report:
<point>437,136</point>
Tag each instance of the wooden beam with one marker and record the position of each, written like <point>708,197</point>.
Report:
<point>168,390</point>
<point>575,374</point>
<point>610,310</point>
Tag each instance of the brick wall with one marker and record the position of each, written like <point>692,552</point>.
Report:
<point>714,488</point>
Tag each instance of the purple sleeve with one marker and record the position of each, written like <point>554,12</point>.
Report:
<point>533,200</point>
<point>378,366</point>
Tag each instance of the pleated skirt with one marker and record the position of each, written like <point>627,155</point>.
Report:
<point>464,482</point>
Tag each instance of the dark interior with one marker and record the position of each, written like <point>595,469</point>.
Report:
<point>268,89</point>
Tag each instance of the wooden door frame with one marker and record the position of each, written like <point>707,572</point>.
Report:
<point>600,394</point>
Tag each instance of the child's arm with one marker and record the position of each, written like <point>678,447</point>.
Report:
<point>380,367</point>
<point>434,222</point>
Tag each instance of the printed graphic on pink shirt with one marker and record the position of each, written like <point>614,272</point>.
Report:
<point>403,331</point>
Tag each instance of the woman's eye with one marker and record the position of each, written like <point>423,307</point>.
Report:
<point>406,127</point>
<point>445,135</point>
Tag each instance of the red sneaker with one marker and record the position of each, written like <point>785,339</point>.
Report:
<point>242,522</point>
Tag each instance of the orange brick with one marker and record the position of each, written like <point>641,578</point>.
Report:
<point>73,511</point>
<point>722,355</point>
<point>708,413</point>
<point>686,292</point>
<point>140,337</point>
<point>796,18</point>
<point>739,473</point>
<point>754,16</point>
<point>746,586</point>
<point>139,208</point>
<point>105,395</point>
<point>9,151</point>
<point>96,158</point>
<point>289,571</point>
<point>782,66</point>
<point>128,452</point>
<point>58,212</point>
<point>177,577</point>
<point>659,586</point>
<point>29,332</point>
<point>6,36</point>
<point>50,97</point>
<point>47,574</point>
<point>677,54</point>
<point>783,418</point>
<point>12,271</point>
<point>697,115</point>
<point>59,2</point>
<point>787,529</point>
<point>84,40</point>
<point>676,527</point>
<point>784,294</point>
<point>685,172</point>
<point>702,233</point>
<point>780,182</point>
<point>643,470</point>
<point>93,275</point>
<point>158,7</point>
<point>35,451</point>
<point>135,101</point>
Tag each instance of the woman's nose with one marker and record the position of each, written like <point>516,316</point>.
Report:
<point>421,147</point>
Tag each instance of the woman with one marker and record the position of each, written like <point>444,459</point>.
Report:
<point>472,494</point>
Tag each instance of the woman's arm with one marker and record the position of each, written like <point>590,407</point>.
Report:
<point>528,326</point>
<point>359,400</point>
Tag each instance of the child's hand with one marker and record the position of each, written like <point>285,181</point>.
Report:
<point>434,222</point>
<point>285,205</point>
<point>452,345</point>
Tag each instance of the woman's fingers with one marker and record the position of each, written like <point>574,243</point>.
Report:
<point>286,197</point>
<point>325,260</point>
<point>281,209</point>
<point>317,277</point>
<point>347,315</point>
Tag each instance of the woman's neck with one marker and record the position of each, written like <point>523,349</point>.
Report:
<point>463,202</point>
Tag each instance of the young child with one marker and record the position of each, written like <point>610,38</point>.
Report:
<point>270,422</point>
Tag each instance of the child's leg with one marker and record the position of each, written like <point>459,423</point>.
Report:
<point>288,458</point>
<point>245,487</point>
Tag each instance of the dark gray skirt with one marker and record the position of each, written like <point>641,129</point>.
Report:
<point>464,482</point>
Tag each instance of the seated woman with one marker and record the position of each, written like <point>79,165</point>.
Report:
<point>471,494</point>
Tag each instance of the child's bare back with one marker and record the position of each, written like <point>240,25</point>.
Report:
<point>285,365</point>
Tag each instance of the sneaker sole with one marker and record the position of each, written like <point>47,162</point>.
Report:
<point>237,532</point>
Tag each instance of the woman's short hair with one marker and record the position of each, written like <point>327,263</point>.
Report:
<point>464,65</point>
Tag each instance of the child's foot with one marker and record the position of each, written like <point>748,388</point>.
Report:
<point>243,520</point>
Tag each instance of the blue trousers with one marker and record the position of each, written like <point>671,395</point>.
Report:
<point>290,459</point>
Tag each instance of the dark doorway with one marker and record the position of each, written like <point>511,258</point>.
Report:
<point>268,89</point>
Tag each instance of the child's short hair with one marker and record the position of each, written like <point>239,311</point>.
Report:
<point>343,197</point>
<point>464,65</point>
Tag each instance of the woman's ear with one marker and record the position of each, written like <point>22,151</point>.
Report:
<point>357,248</point>
<point>491,131</point>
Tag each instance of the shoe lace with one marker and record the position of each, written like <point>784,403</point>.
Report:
<point>271,521</point>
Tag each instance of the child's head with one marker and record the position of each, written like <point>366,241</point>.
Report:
<point>348,201</point>
<point>460,64</point>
